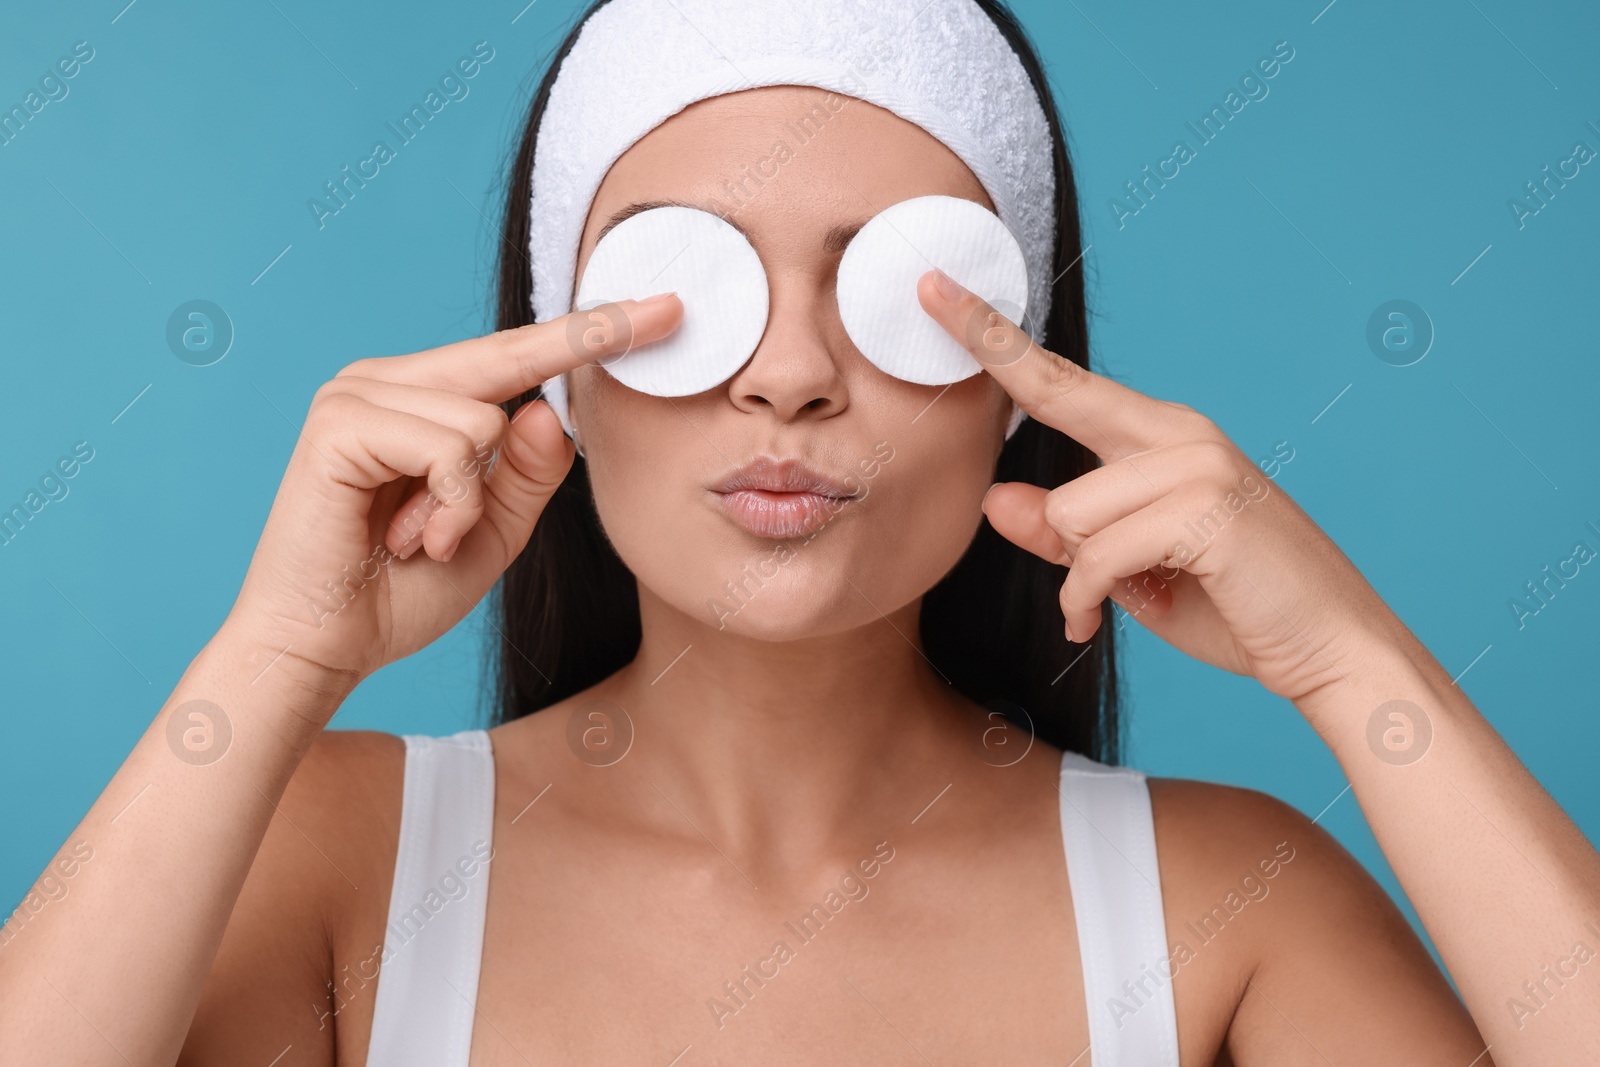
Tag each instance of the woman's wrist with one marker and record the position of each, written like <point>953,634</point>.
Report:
<point>1388,699</point>
<point>298,695</point>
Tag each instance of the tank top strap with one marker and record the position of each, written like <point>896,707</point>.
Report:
<point>432,946</point>
<point>1109,837</point>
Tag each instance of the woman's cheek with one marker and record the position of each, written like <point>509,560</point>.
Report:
<point>944,511</point>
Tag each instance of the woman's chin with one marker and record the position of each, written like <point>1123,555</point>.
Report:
<point>785,608</point>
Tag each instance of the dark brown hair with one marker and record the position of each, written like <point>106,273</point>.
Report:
<point>568,608</point>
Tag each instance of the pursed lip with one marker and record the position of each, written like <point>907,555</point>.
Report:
<point>783,476</point>
<point>775,498</point>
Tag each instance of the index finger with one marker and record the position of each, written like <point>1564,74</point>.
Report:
<point>500,366</point>
<point>1106,417</point>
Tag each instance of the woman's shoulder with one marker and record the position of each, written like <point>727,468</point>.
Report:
<point>1269,918</point>
<point>347,792</point>
<point>350,766</point>
<point>315,897</point>
<point>1226,845</point>
<point>340,822</point>
<point>1200,821</point>
<point>337,825</point>
<point>1234,846</point>
<point>338,817</point>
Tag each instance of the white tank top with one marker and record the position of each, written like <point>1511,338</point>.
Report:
<point>433,944</point>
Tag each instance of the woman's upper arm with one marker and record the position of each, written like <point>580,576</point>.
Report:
<point>317,891</point>
<point>1269,913</point>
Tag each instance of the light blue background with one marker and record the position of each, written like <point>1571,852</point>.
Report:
<point>1378,167</point>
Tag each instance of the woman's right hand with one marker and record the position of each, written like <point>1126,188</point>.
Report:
<point>174,823</point>
<point>389,525</point>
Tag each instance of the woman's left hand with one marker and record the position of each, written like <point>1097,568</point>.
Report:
<point>1178,526</point>
<point>1227,568</point>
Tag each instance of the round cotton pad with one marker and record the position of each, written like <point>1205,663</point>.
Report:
<point>715,272</point>
<point>878,283</point>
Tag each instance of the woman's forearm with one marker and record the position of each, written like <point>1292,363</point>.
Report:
<point>111,971</point>
<point>1505,883</point>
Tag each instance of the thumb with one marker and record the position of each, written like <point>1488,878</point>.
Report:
<point>535,456</point>
<point>1016,511</point>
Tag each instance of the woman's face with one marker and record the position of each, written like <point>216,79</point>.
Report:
<point>919,458</point>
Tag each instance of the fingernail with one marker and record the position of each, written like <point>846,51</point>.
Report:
<point>947,286</point>
<point>658,300</point>
<point>985,502</point>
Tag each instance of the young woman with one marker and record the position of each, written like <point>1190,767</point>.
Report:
<point>853,813</point>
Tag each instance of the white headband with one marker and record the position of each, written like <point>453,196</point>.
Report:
<point>941,64</point>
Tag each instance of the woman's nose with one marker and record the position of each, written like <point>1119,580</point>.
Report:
<point>794,371</point>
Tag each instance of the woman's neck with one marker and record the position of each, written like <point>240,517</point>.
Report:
<point>794,742</point>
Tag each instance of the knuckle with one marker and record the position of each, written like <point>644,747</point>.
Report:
<point>489,424</point>
<point>1055,508</point>
<point>1196,498</point>
<point>1195,423</point>
<point>458,447</point>
<point>1063,375</point>
<point>1217,459</point>
<point>1092,557</point>
<point>413,516</point>
<point>508,341</point>
<point>530,366</point>
<point>1060,514</point>
<point>327,390</point>
<point>992,335</point>
<point>520,346</point>
<point>332,407</point>
<point>361,368</point>
<point>454,477</point>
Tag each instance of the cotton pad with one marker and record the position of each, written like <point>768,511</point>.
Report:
<point>878,283</point>
<point>715,272</point>
<point>723,286</point>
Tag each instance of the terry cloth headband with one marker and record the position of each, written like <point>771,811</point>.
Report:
<point>941,64</point>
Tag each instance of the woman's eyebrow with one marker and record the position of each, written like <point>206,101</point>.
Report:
<point>633,209</point>
<point>839,238</point>
<point>834,242</point>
